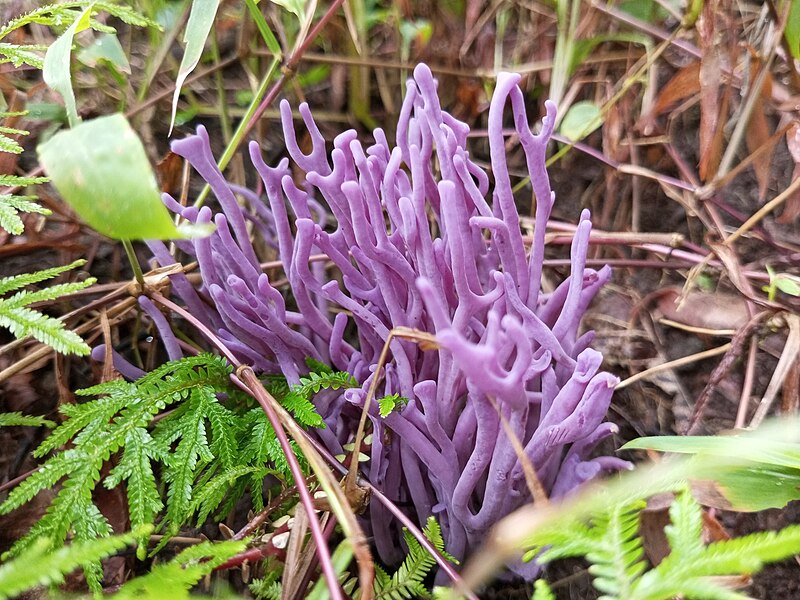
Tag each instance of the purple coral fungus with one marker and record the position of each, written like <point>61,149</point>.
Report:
<point>416,244</point>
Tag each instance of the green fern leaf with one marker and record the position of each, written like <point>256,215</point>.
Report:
<point>144,501</point>
<point>192,452</point>
<point>8,144</point>
<point>90,417</point>
<point>32,55</point>
<point>22,322</point>
<point>685,533</point>
<point>100,428</point>
<point>315,382</point>
<point>215,491</point>
<point>45,477</point>
<point>542,591</point>
<point>268,587</point>
<point>174,579</point>
<point>387,404</point>
<point>303,410</point>
<point>26,298</point>
<point>62,15</point>
<point>89,524</point>
<point>408,581</point>
<point>17,282</point>
<point>297,400</point>
<point>18,419</point>
<point>610,542</point>
<point>617,559</point>
<point>36,567</point>
<point>21,181</point>
<point>224,429</point>
<point>262,446</point>
<point>11,206</point>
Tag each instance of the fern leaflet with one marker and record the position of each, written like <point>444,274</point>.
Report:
<point>105,426</point>
<point>610,542</point>
<point>23,321</point>
<point>174,579</point>
<point>387,404</point>
<point>36,567</point>
<point>408,581</point>
<point>16,418</point>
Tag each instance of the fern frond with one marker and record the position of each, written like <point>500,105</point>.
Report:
<point>91,417</point>
<point>192,452</point>
<point>298,399</point>
<point>11,206</point>
<point>12,130</point>
<point>408,581</point>
<point>268,587</point>
<point>36,567</point>
<point>224,429</point>
<point>144,501</point>
<point>302,409</point>
<point>8,144</point>
<point>27,54</point>
<point>542,591</point>
<point>217,490</point>
<point>744,555</point>
<point>315,382</point>
<point>100,428</point>
<point>17,282</point>
<point>610,542</point>
<point>18,419</point>
<point>21,181</point>
<point>174,579</point>
<point>125,13</point>
<point>617,559</point>
<point>685,531</point>
<point>387,404</point>
<point>43,478</point>
<point>89,524</point>
<point>26,298</point>
<point>22,322</point>
<point>62,15</point>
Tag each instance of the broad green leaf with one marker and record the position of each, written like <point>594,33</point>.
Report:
<point>755,487</point>
<point>649,11</point>
<point>296,7</point>
<point>108,49</point>
<point>792,31</point>
<point>46,111</point>
<point>748,447</point>
<point>767,477</point>
<point>101,170</point>
<point>56,69</point>
<point>788,284</point>
<point>581,119</point>
<point>201,18</point>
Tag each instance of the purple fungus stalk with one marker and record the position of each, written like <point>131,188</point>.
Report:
<point>418,236</point>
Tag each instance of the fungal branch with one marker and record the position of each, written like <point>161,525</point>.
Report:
<point>426,341</point>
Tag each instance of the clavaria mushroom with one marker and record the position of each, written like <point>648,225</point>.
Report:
<point>416,235</point>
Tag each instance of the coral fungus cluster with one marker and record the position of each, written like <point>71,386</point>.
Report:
<point>416,235</point>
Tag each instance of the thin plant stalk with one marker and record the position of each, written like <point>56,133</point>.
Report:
<point>258,105</point>
<point>247,376</point>
<point>137,268</point>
